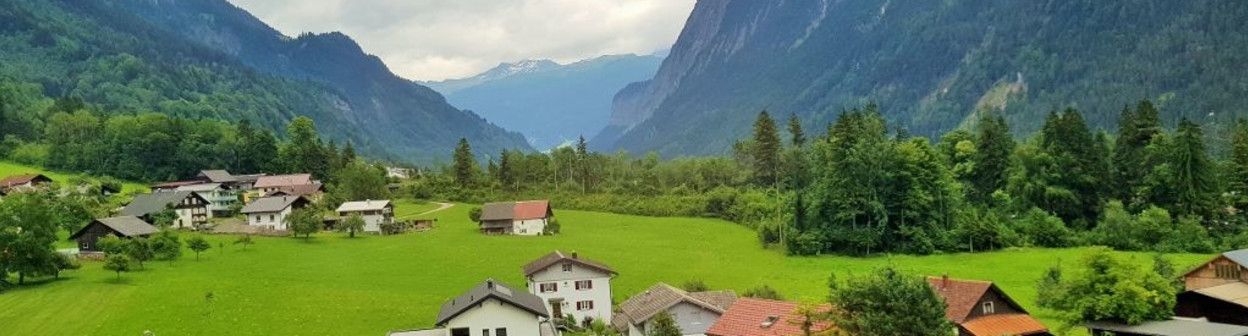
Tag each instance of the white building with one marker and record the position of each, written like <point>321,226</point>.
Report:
<point>528,218</point>
<point>490,309</point>
<point>694,312</point>
<point>191,209</point>
<point>571,285</point>
<point>219,198</point>
<point>271,212</point>
<point>374,212</point>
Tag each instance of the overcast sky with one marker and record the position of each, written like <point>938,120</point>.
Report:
<point>439,39</point>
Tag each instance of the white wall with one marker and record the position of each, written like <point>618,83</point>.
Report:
<point>262,219</point>
<point>566,283</point>
<point>692,320</point>
<point>531,227</point>
<point>492,314</point>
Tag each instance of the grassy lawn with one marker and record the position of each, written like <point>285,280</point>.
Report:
<point>10,168</point>
<point>332,285</point>
<point>409,209</point>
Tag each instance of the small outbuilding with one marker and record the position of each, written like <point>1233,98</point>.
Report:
<point>528,218</point>
<point>18,183</point>
<point>125,227</point>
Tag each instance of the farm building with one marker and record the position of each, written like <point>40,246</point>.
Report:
<point>192,209</point>
<point>761,317</point>
<point>490,309</point>
<point>571,285</point>
<point>694,312</point>
<point>1167,328</point>
<point>268,184</point>
<point>527,218</point>
<point>1217,290</point>
<point>979,308</point>
<point>374,212</point>
<point>312,191</point>
<point>124,227</point>
<point>19,183</point>
<point>271,212</point>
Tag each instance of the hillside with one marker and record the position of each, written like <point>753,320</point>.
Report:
<point>550,103</point>
<point>210,59</point>
<point>930,64</point>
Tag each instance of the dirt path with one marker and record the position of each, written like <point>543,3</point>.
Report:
<point>441,206</point>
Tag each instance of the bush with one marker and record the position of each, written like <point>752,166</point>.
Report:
<point>695,285</point>
<point>763,292</point>
<point>552,228</point>
<point>1044,229</point>
<point>474,214</point>
<point>31,153</point>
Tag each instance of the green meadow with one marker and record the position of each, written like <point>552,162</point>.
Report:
<point>10,168</point>
<point>333,285</point>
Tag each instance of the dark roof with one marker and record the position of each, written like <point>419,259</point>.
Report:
<point>1238,256</point>
<point>218,176</point>
<point>144,204</point>
<point>515,210</point>
<point>273,204</point>
<point>492,290</point>
<point>1172,328</point>
<point>125,226</point>
<point>174,184</point>
<point>14,180</point>
<point>556,257</point>
<point>497,211</point>
<point>963,295</point>
<point>661,297</point>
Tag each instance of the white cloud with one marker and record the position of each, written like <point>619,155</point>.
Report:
<point>439,39</point>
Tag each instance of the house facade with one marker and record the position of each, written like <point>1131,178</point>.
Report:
<point>490,309</point>
<point>375,213</point>
<point>191,209</point>
<point>271,212</point>
<point>1217,290</point>
<point>528,218</point>
<point>219,198</point>
<point>694,313</point>
<point>979,308</point>
<point>125,227</point>
<point>268,184</point>
<point>571,285</point>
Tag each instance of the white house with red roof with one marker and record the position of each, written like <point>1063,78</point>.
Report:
<point>528,218</point>
<point>572,285</point>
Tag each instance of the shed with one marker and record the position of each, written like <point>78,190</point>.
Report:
<point>124,227</point>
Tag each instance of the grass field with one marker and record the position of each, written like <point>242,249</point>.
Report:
<point>10,168</point>
<point>332,285</point>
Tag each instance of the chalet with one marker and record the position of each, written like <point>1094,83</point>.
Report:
<point>490,309</point>
<point>27,182</point>
<point>271,212</point>
<point>311,191</point>
<point>979,308</point>
<point>571,285</point>
<point>124,227</point>
<point>219,198</point>
<point>1176,327</point>
<point>1217,290</point>
<point>760,317</point>
<point>519,218</point>
<point>694,312</point>
<point>192,210</point>
<point>375,213</point>
<point>268,184</point>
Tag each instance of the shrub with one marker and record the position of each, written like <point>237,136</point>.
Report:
<point>763,292</point>
<point>474,214</point>
<point>552,228</point>
<point>695,285</point>
<point>1044,229</point>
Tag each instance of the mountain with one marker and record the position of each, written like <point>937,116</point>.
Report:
<point>930,64</point>
<point>551,104</point>
<point>210,59</point>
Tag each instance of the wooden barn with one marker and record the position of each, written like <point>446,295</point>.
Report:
<point>125,227</point>
<point>1217,290</point>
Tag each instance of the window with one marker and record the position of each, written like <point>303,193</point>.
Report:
<point>988,308</point>
<point>270,218</point>
<point>584,285</point>
<point>460,332</point>
<point>584,305</point>
<point>485,332</point>
<point>500,332</point>
<point>1231,272</point>
<point>257,218</point>
<point>549,287</point>
<point>567,267</point>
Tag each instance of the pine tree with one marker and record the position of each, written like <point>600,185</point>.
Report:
<point>1238,185</point>
<point>765,150</point>
<point>466,168</point>
<point>796,135</point>
<point>1132,161</point>
<point>991,159</point>
<point>1193,172</point>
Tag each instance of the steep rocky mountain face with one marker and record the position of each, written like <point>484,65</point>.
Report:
<point>550,103</point>
<point>931,64</point>
<point>211,59</point>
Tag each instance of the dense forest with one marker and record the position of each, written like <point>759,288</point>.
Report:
<point>863,187</point>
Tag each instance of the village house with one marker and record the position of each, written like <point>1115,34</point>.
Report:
<point>375,213</point>
<point>26,182</point>
<point>312,191</point>
<point>1176,327</point>
<point>571,285</point>
<point>1217,290</point>
<point>694,312</point>
<point>490,309</point>
<point>979,308</point>
<point>191,209</point>
<point>271,212</point>
<point>219,198</point>
<point>125,227</point>
<point>268,184</point>
<point>762,317</point>
<point>527,218</point>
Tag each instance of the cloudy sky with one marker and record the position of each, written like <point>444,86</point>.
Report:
<point>439,39</point>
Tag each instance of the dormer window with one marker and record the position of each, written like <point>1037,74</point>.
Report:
<point>988,308</point>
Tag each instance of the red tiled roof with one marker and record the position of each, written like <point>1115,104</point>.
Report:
<point>530,210</point>
<point>746,317</point>
<point>961,295</point>
<point>1004,324</point>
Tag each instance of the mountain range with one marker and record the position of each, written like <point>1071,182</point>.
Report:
<point>211,59</point>
<point>930,65</point>
<point>550,103</point>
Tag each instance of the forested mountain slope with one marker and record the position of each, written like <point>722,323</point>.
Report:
<point>210,59</point>
<point>551,103</point>
<point>930,64</point>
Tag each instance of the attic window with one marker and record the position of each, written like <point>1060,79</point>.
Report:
<point>988,308</point>
<point>567,267</point>
<point>1230,272</point>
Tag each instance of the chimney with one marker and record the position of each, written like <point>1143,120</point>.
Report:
<point>489,283</point>
<point>944,282</point>
<point>574,255</point>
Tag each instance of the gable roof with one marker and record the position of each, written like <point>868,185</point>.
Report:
<point>15,180</point>
<point>144,204</point>
<point>273,204</point>
<point>558,257</point>
<point>218,176</point>
<point>297,190</point>
<point>515,210</point>
<point>174,184</point>
<point>363,205</point>
<point>1172,328</point>
<point>282,180</point>
<point>125,226</point>
<point>759,317</point>
<point>962,296</point>
<point>1237,256</point>
<point>498,211</point>
<point>492,290</point>
<point>201,187</point>
<point>662,297</point>
<point>1004,324</point>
